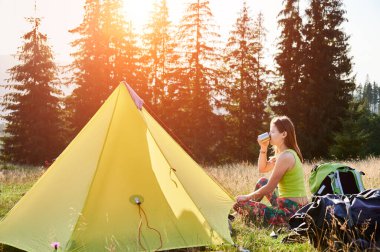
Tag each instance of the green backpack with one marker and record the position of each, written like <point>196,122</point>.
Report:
<point>335,178</point>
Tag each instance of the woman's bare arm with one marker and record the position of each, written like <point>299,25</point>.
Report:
<point>264,165</point>
<point>284,162</point>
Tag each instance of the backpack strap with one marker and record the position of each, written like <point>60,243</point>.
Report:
<point>337,184</point>
<point>320,191</point>
<point>358,179</point>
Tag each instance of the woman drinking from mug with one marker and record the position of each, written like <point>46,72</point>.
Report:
<point>287,175</point>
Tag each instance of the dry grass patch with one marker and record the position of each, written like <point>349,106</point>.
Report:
<point>242,177</point>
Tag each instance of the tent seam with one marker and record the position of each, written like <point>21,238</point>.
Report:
<point>97,166</point>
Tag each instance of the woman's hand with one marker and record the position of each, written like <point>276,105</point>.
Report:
<point>264,144</point>
<point>241,198</point>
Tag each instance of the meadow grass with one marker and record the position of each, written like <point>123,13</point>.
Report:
<point>15,181</point>
<point>240,178</point>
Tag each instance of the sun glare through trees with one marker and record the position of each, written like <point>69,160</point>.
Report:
<point>205,67</point>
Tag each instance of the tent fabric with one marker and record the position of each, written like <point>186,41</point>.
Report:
<point>138,101</point>
<point>86,199</point>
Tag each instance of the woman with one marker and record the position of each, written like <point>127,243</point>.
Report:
<point>287,175</point>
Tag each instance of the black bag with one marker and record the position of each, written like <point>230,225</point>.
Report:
<point>333,221</point>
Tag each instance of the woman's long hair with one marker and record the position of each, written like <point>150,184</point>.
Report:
<point>283,123</point>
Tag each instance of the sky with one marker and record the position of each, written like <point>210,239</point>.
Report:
<point>59,16</point>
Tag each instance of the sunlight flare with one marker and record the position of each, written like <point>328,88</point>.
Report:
<point>138,12</point>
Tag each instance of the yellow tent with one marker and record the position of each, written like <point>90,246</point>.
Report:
<point>123,184</point>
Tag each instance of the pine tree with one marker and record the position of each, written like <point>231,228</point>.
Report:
<point>107,54</point>
<point>120,48</point>
<point>246,92</point>
<point>261,72</point>
<point>353,140</point>
<point>328,85</point>
<point>159,52</point>
<point>113,41</point>
<point>289,94</point>
<point>376,97</point>
<point>90,68</point>
<point>368,94</point>
<point>371,96</point>
<point>372,122</point>
<point>193,82</point>
<point>32,133</point>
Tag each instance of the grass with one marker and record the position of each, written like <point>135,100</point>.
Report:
<point>241,178</point>
<point>252,238</point>
<point>15,181</point>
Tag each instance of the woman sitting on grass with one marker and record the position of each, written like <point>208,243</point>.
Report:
<point>287,174</point>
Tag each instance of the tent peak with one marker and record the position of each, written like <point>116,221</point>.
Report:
<point>138,101</point>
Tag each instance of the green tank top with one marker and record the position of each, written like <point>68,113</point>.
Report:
<point>292,183</point>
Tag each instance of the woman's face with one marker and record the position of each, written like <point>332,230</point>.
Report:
<point>276,138</point>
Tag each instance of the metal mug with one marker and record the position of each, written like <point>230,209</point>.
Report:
<point>263,137</point>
